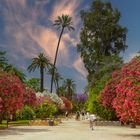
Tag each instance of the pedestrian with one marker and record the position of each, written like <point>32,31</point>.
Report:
<point>92,119</point>
<point>83,115</point>
<point>77,115</point>
<point>66,114</point>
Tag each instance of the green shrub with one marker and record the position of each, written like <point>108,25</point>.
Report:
<point>46,110</point>
<point>94,106</point>
<point>26,113</point>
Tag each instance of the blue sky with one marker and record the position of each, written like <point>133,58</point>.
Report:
<point>26,30</point>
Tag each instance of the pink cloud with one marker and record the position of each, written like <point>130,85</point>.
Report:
<point>79,66</point>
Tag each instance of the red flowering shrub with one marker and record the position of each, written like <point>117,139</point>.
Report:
<point>0,104</point>
<point>29,97</point>
<point>11,93</point>
<point>67,103</point>
<point>109,92</point>
<point>127,101</point>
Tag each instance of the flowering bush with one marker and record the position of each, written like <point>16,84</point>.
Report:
<point>54,97</point>
<point>40,100</point>
<point>108,94</point>
<point>127,101</point>
<point>11,93</point>
<point>0,104</point>
<point>67,103</point>
<point>81,98</point>
<point>29,97</point>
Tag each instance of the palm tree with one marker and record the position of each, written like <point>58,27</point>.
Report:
<point>57,78</point>
<point>41,62</point>
<point>70,88</point>
<point>65,21</point>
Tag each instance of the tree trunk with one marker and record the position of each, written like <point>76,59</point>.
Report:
<point>42,79</point>
<point>52,79</point>
<point>1,118</point>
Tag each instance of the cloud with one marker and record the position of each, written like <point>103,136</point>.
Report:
<point>28,36</point>
<point>130,56</point>
<point>22,26</point>
<point>79,66</point>
<point>68,7</point>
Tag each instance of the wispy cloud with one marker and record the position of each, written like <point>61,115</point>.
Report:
<point>79,66</point>
<point>29,30</point>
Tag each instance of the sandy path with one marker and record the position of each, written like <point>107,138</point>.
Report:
<point>69,130</point>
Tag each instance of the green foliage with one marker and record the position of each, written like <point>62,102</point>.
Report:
<point>33,83</point>
<point>3,60</point>
<point>26,113</point>
<point>101,35</point>
<point>46,110</point>
<point>94,106</point>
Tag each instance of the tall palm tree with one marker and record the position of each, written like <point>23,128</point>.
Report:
<point>42,62</point>
<point>62,22</point>
<point>70,88</point>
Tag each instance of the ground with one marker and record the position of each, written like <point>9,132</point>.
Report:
<point>70,130</point>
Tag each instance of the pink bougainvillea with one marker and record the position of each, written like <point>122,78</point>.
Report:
<point>127,101</point>
<point>11,93</point>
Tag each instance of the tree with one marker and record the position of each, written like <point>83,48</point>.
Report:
<point>101,35</point>
<point>41,62</point>
<point>14,71</point>
<point>3,60</point>
<point>65,21</point>
<point>33,83</point>
<point>70,88</point>
<point>57,78</point>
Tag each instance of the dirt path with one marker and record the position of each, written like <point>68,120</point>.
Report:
<point>69,130</point>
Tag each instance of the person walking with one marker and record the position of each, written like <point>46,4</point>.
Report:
<point>92,119</point>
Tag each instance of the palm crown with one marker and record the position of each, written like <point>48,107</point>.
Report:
<point>64,21</point>
<point>42,62</point>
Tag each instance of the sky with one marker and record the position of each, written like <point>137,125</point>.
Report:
<point>26,29</point>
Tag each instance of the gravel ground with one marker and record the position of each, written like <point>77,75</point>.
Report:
<point>70,130</point>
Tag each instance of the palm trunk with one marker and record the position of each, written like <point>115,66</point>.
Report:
<point>42,79</point>
<point>57,83</point>
<point>52,79</point>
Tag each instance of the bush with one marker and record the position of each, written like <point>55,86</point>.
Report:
<point>127,101</point>
<point>46,110</point>
<point>95,106</point>
<point>26,113</point>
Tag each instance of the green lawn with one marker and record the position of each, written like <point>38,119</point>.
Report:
<point>14,123</point>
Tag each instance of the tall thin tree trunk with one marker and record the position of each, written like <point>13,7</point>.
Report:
<point>52,79</point>
<point>57,83</point>
<point>42,79</point>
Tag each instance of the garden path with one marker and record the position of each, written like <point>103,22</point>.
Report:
<point>70,130</point>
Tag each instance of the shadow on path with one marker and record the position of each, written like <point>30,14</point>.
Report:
<point>20,131</point>
<point>130,135</point>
